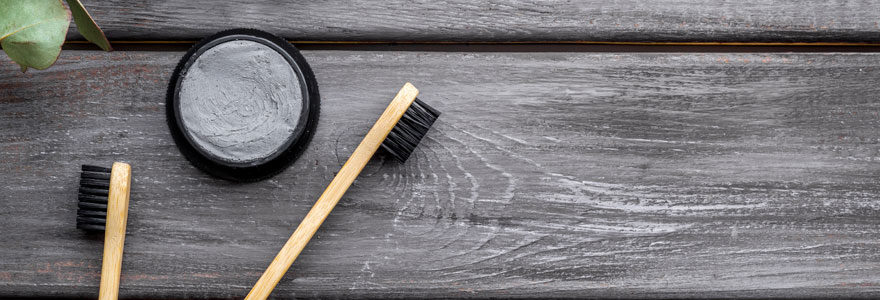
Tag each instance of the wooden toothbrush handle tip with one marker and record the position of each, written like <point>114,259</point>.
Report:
<point>114,232</point>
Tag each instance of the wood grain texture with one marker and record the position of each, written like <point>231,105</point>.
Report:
<point>496,20</point>
<point>353,166</point>
<point>554,174</point>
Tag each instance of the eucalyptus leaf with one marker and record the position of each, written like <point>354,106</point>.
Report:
<point>86,25</point>
<point>32,31</point>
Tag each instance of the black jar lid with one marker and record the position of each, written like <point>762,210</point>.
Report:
<point>242,104</point>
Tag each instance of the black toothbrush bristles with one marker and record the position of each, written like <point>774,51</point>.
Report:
<point>412,127</point>
<point>94,187</point>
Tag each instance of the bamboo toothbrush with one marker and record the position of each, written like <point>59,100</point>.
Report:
<point>103,206</point>
<point>400,128</point>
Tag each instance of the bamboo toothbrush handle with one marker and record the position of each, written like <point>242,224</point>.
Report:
<point>333,193</point>
<point>114,234</point>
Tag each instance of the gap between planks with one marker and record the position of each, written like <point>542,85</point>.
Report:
<point>515,46</point>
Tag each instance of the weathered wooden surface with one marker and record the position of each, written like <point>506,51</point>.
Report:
<point>497,20</point>
<point>567,174</point>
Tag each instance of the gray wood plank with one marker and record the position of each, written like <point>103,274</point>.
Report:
<point>497,20</point>
<point>551,174</point>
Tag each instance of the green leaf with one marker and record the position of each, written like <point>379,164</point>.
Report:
<point>32,31</point>
<point>86,25</point>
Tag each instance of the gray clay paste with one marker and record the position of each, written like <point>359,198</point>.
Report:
<point>240,101</point>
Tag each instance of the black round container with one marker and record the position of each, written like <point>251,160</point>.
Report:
<point>242,104</point>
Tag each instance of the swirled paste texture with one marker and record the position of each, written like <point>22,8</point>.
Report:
<point>240,101</point>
